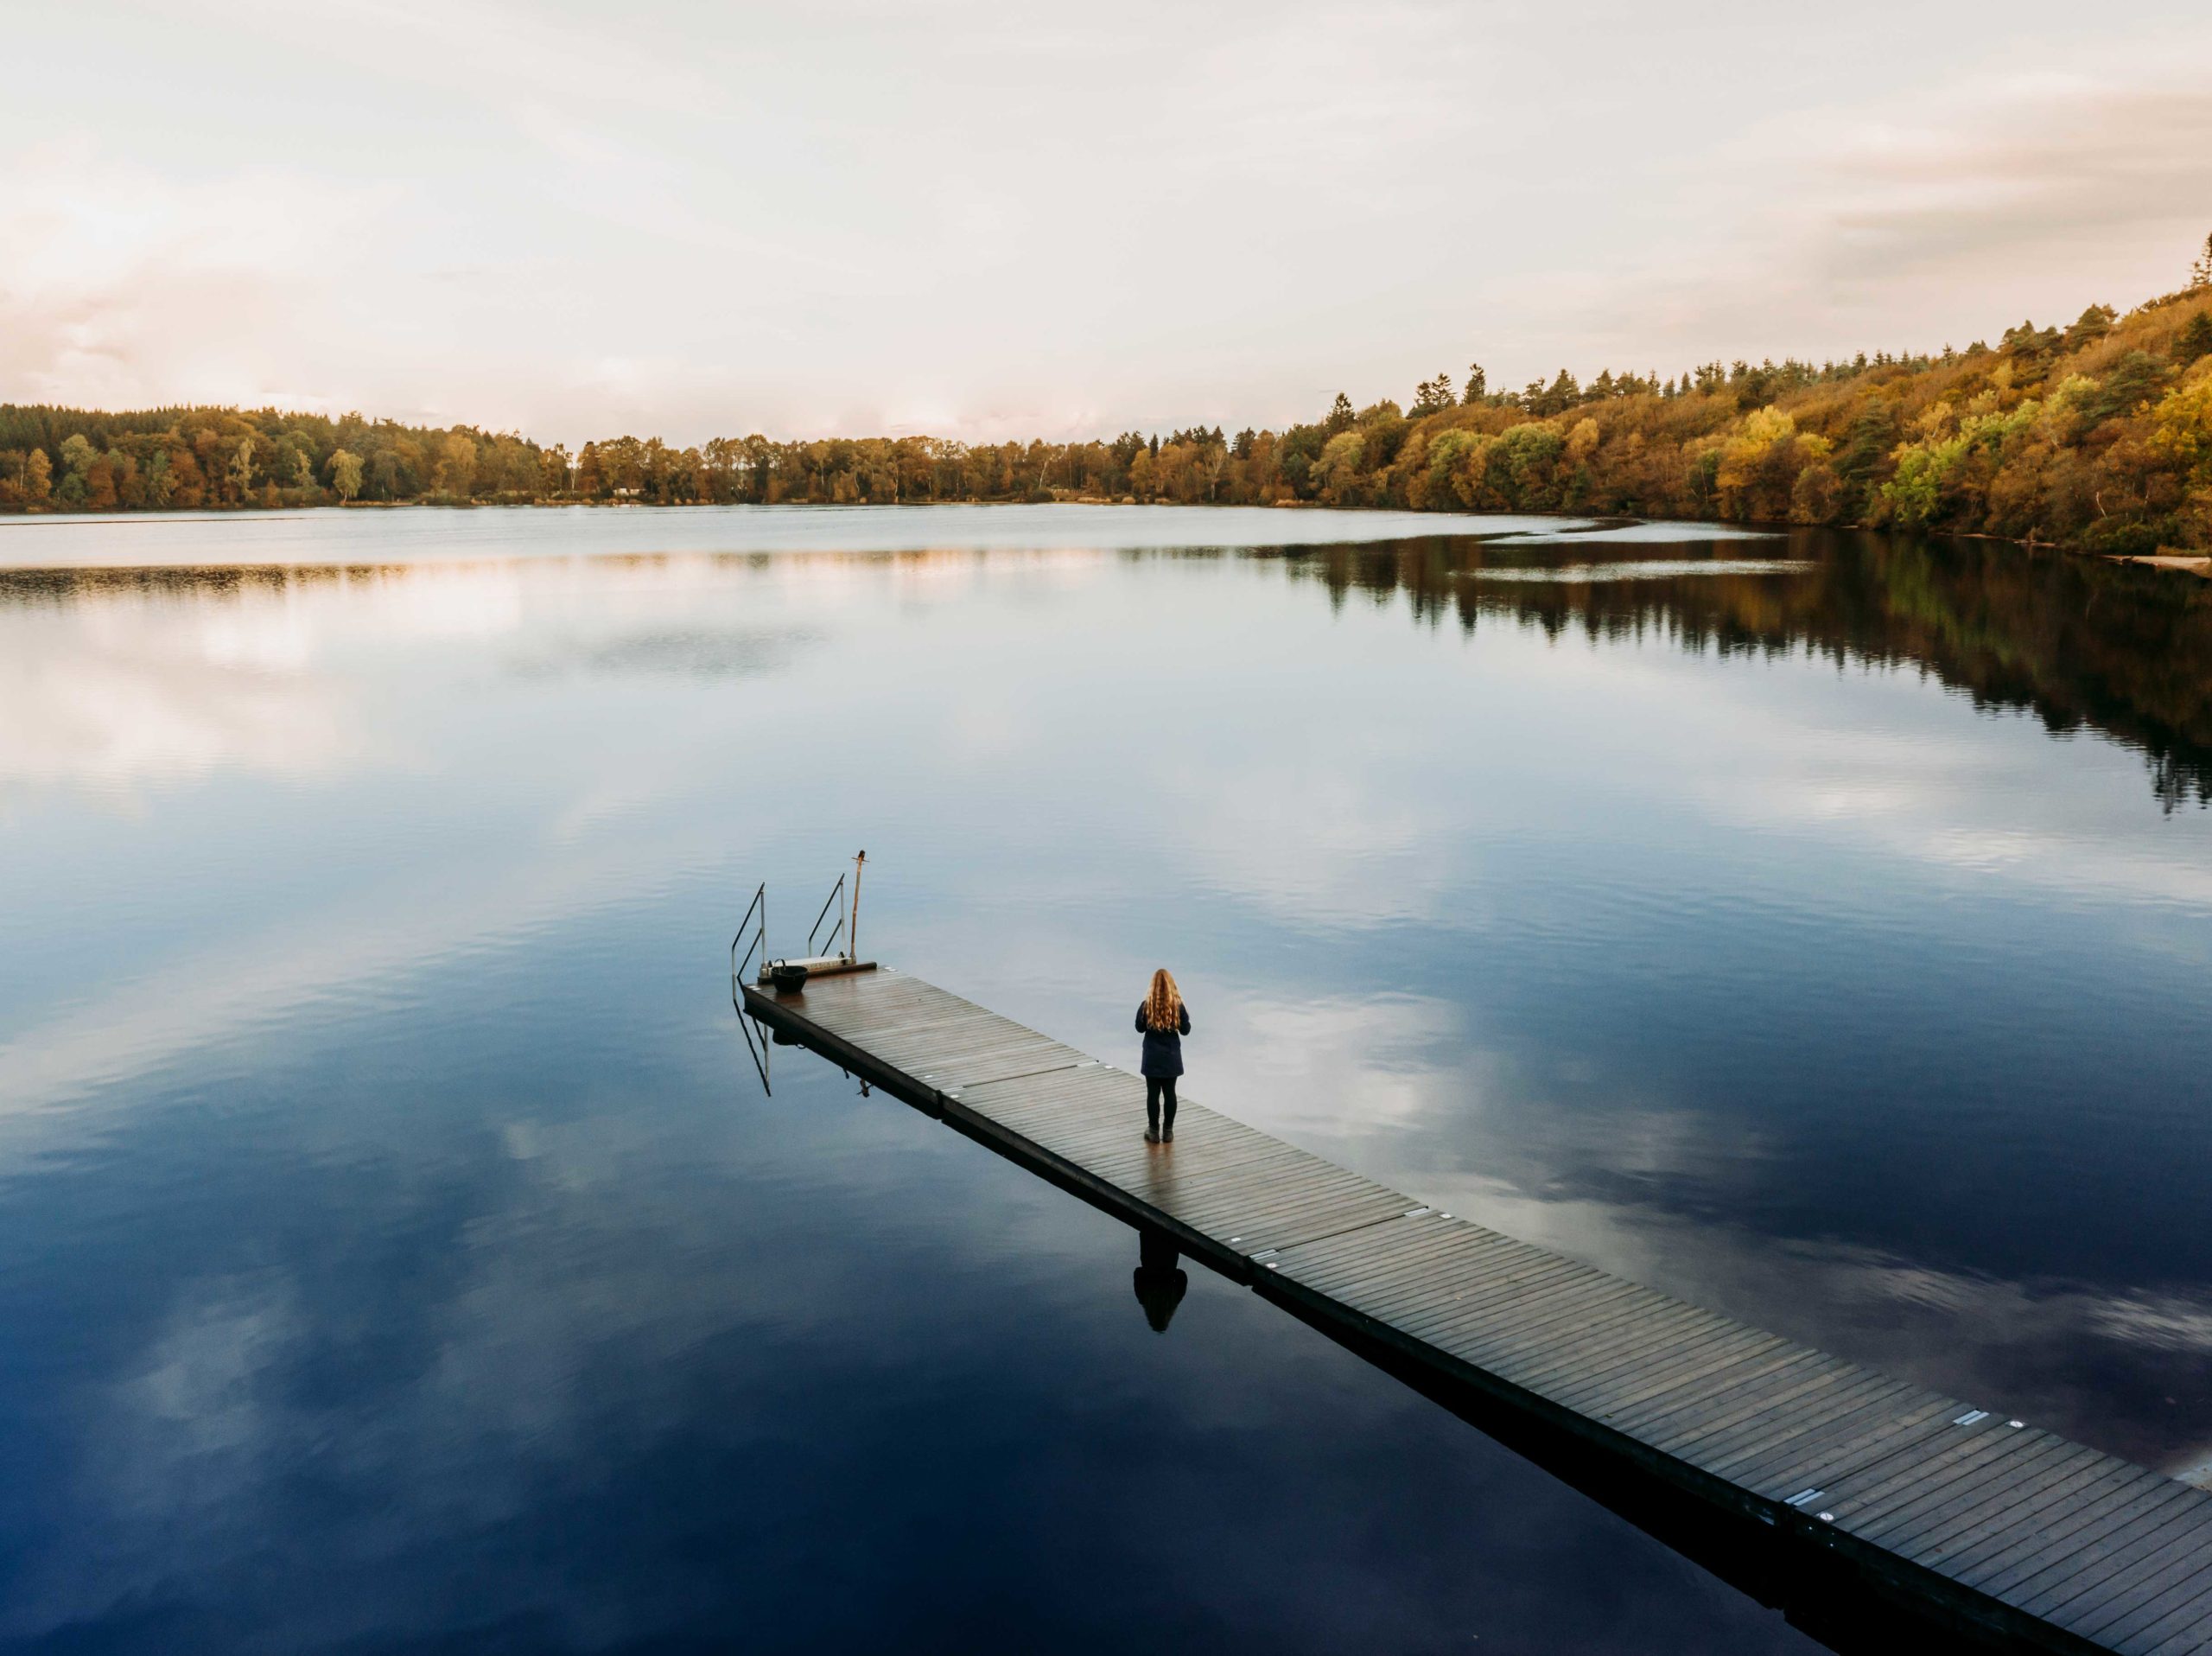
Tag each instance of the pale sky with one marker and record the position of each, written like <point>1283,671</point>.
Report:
<point>982,219</point>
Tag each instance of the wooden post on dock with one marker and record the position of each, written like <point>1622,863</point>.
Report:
<point>853,931</point>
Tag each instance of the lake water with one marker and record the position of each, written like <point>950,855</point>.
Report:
<point>398,1249</point>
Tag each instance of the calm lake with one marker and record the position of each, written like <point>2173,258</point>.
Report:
<point>398,1249</point>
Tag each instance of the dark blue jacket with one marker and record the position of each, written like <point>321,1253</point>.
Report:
<point>1163,1048</point>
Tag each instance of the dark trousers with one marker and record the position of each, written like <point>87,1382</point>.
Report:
<point>1158,1089</point>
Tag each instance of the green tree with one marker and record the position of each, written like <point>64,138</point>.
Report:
<point>1301,446</point>
<point>1477,384</point>
<point>1557,398</point>
<point>77,454</point>
<point>2135,379</point>
<point>1523,466</point>
<point>2195,340</point>
<point>1337,469</point>
<point>345,471</point>
<point>1431,397</point>
<point>242,471</point>
<point>1866,453</point>
<point>2091,326</point>
<point>1915,495</point>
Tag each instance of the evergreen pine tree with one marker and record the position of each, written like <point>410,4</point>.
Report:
<point>2195,340</point>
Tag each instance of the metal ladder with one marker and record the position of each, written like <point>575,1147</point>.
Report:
<point>753,932</point>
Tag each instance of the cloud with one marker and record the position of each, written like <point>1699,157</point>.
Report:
<point>1939,216</point>
<point>117,697</point>
<point>125,688</point>
<point>122,286</point>
<point>2068,172</point>
<point>1946,798</point>
<point>1318,839</point>
<point>992,221</point>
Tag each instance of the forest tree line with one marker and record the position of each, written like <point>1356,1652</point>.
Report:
<point>2096,434</point>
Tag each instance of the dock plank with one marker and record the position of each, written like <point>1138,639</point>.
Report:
<point>1923,1534</point>
<point>2004,1529</point>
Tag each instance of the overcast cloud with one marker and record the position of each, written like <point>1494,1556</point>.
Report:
<point>982,220</point>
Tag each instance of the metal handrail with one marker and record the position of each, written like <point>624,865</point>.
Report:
<point>836,892</point>
<point>760,935</point>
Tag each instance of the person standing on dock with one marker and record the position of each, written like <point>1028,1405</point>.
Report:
<point>1163,1021</point>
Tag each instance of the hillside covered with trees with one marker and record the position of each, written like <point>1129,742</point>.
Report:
<point>2095,435</point>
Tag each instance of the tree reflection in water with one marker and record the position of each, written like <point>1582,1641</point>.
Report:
<point>2080,642</point>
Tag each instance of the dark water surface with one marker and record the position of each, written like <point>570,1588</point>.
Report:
<point>396,1249</point>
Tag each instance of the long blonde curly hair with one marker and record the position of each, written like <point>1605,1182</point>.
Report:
<point>1163,1006</point>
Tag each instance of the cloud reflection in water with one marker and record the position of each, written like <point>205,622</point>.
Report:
<point>402,1246</point>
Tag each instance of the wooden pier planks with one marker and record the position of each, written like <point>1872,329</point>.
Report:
<point>2039,1537</point>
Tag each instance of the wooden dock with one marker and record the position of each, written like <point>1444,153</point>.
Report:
<point>1993,1522</point>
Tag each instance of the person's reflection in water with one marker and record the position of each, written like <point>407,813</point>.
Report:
<point>1160,1282</point>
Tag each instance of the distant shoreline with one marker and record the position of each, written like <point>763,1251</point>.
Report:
<point>2094,437</point>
